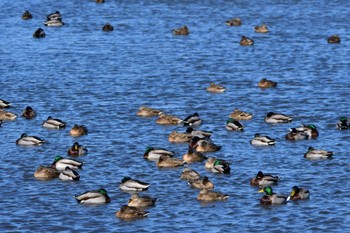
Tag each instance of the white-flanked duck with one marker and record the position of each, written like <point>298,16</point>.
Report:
<point>262,179</point>
<point>192,120</point>
<point>153,153</point>
<point>234,125</point>
<point>52,123</point>
<point>61,163</point>
<point>26,140</point>
<point>262,140</point>
<point>313,153</point>
<point>132,185</point>
<point>275,118</point>
<point>69,174</point>
<point>93,197</point>
<point>199,133</point>
<point>270,197</point>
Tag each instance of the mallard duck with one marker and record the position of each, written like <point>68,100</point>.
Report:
<point>26,140</point>
<point>334,39</point>
<point>39,33</point>
<point>7,116</point>
<point>189,174</point>
<point>298,194</point>
<point>192,120</point>
<point>261,29</point>
<point>52,123</point>
<point>53,16</point>
<point>313,153</point>
<point>275,118</point>
<point>209,195</point>
<point>61,163</point>
<point>265,83</point>
<point>262,140</point>
<point>78,130</point>
<point>165,119</point>
<point>28,113</point>
<point>128,184</point>
<point>100,1</point>
<point>153,153</point>
<point>294,134</point>
<point>141,201</point>
<point>343,123</point>
<point>46,173</point>
<point>232,124</point>
<point>184,31</point>
<point>199,183</point>
<point>53,23</point>
<point>4,104</point>
<point>193,156</point>
<point>175,136</point>
<point>262,179</point>
<point>270,197</point>
<point>148,112</point>
<point>240,115</point>
<point>93,197</point>
<point>130,213</point>
<point>310,130</point>
<point>27,15</point>
<point>215,88</point>
<point>245,41</point>
<point>203,145</point>
<point>69,174</point>
<point>107,28</point>
<point>77,150</point>
<point>199,133</point>
<point>166,162</point>
<point>218,166</point>
<point>234,22</point>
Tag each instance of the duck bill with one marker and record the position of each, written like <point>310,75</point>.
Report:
<point>261,191</point>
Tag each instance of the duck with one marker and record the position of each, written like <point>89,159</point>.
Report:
<point>199,183</point>
<point>77,150</point>
<point>234,22</point>
<point>294,135</point>
<point>4,104</point>
<point>233,125</point>
<point>166,162</point>
<point>130,213</point>
<point>261,29</point>
<point>131,185</point>
<point>52,123</point>
<point>141,201</point>
<point>275,118</point>
<point>270,197</point>
<point>203,145</point>
<point>27,15</point>
<point>61,163</point>
<point>262,140</point>
<point>310,130</point>
<point>54,16</point>
<point>266,83</point>
<point>100,1</point>
<point>148,112</point>
<point>26,140</point>
<point>165,119</point>
<point>199,133</point>
<point>39,33</point>
<point>184,31</point>
<point>107,28</point>
<point>193,156</point>
<point>245,41</point>
<point>216,88</point>
<point>313,153</point>
<point>69,174</point>
<point>192,120</point>
<point>78,130</point>
<point>343,123</point>
<point>218,165</point>
<point>189,174</point>
<point>46,173</point>
<point>94,197</point>
<point>53,23</point>
<point>28,113</point>
<point>210,195</point>
<point>153,153</point>
<point>179,137</point>
<point>7,116</point>
<point>298,194</point>
<point>262,179</point>
<point>240,115</point>
<point>334,39</point>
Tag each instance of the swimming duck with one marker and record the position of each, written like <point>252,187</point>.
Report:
<point>262,179</point>
<point>215,88</point>
<point>141,201</point>
<point>275,118</point>
<point>218,166</point>
<point>232,124</point>
<point>298,194</point>
<point>61,163</point>
<point>4,104</point>
<point>8,116</point>
<point>107,28</point>
<point>78,130</point>
<point>261,29</point>
<point>192,120</point>
<point>27,15</point>
<point>310,130</point>
<point>165,119</point>
<point>128,184</point>
<point>178,137</point>
<point>93,197</point>
<point>203,145</point>
<point>334,39</point>
<point>26,140</point>
<point>148,112</point>
<point>270,197</point>
<point>46,173</point>
<point>245,41</point>
<point>199,133</point>
<point>189,174</point>
<point>52,123</point>
<point>77,150</point>
<point>199,183</point>
<point>166,162</point>
<point>240,115</point>
<point>153,153</point>
<point>193,156</point>
<point>100,1</point>
<point>262,140</point>
<point>39,33</point>
<point>130,213</point>
<point>343,123</point>
<point>265,83</point>
<point>181,31</point>
<point>209,195</point>
<point>69,174</point>
<point>234,22</point>
<point>53,23</point>
<point>54,16</point>
<point>28,113</point>
<point>313,153</point>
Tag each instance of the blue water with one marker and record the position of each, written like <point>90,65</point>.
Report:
<point>82,75</point>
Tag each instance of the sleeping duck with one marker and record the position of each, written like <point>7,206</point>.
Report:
<point>216,88</point>
<point>240,115</point>
<point>93,197</point>
<point>61,163</point>
<point>28,113</point>
<point>26,140</point>
<point>343,123</point>
<point>148,112</point>
<point>189,174</point>
<point>313,153</point>
<point>141,201</point>
<point>78,130</point>
<point>184,31</point>
<point>210,195</point>
<point>52,123</point>
<point>261,29</point>
<point>266,83</point>
<point>132,185</point>
<point>262,140</point>
<point>167,162</point>
<point>262,179</point>
<point>179,137</point>
<point>130,213</point>
<point>153,153</point>
<point>245,41</point>
<point>234,125</point>
<point>275,118</point>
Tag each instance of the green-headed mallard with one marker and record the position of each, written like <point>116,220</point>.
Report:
<point>148,112</point>
<point>132,185</point>
<point>26,140</point>
<point>234,125</point>
<point>203,145</point>
<point>184,31</point>
<point>310,130</point>
<point>275,118</point>
<point>130,213</point>
<point>245,41</point>
<point>107,27</point>
<point>199,183</point>
<point>69,174</point>
<point>193,156</point>
<point>78,130</point>
<point>334,39</point>
<point>294,135</point>
<point>165,119</point>
<point>240,115</point>
<point>218,165</point>
<point>77,150</point>
<point>179,137</point>
<point>61,163</point>
<point>4,104</point>
<point>216,88</point>
<point>234,22</point>
<point>189,174</point>
<point>343,123</point>
<point>153,153</point>
<point>46,173</point>
<point>192,120</point>
<point>209,195</point>
<point>298,194</point>
<point>262,140</point>
<point>313,153</point>
<point>262,179</point>
<point>265,83</point>
<point>167,162</point>
<point>28,113</point>
<point>270,197</point>
<point>141,201</point>
<point>261,29</point>
<point>52,123</point>
<point>27,15</point>
<point>39,33</point>
<point>93,197</point>
<point>199,133</point>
